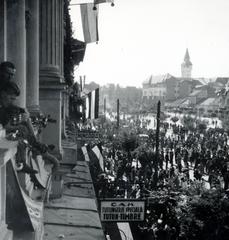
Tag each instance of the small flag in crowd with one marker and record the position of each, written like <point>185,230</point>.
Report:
<point>92,104</point>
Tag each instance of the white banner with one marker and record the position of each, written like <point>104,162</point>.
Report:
<point>89,17</point>
<point>99,155</point>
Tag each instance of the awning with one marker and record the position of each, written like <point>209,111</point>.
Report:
<point>78,51</point>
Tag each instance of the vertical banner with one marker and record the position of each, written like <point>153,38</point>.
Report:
<point>99,155</point>
<point>89,17</point>
<point>85,153</point>
<point>88,106</point>
<point>21,211</point>
<point>92,104</point>
<point>97,103</point>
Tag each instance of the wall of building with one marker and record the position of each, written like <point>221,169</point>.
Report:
<point>172,89</point>
<point>185,89</point>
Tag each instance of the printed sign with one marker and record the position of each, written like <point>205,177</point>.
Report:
<point>126,210</point>
<point>87,135</point>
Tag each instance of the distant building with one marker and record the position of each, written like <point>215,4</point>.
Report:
<point>210,104</point>
<point>154,88</point>
<point>167,88</point>
<point>186,66</point>
<point>197,96</point>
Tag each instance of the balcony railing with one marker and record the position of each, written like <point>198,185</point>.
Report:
<point>22,195</point>
<point>7,152</point>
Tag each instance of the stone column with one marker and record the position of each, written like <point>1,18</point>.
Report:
<point>51,67</point>
<point>2,30</point>
<point>16,44</point>
<point>32,39</point>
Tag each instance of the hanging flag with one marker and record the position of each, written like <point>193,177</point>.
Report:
<point>89,17</point>
<point>99,155</point>
<point>103,1</point>
<point>85,153</point>
<point>88,106</point>
<point>22,212</point>
<point>42,176</point>
<point>78,2</point>
<point>94,161</point>
<point>92,104</point>
<point>96,103</point>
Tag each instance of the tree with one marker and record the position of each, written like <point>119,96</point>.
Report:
<point>205,216</point>
<point>175,119</point>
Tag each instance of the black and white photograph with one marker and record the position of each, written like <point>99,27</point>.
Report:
<point>114,120</point>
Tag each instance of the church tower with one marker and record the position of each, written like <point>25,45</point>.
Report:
<point>186,66</point>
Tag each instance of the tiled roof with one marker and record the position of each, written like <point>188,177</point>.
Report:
<point>210,101</point>
<point>177,102</point>
<point>157,79</point>
<point>195,92</point>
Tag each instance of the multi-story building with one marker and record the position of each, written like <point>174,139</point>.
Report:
<point>32,37</point>
<point>169,88</point>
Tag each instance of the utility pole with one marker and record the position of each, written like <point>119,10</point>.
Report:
<point>117,113</point>
<point>104,108</point>
<point>155,176</point>
<point>81,84</point>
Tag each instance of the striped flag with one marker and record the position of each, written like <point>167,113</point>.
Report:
<point>92,104</point>
<point>89,18</point>
<point>85,153</point>
<point>78,2</point>
<point>103,1</point>
<point>99,155</point>
<point>93,156</point>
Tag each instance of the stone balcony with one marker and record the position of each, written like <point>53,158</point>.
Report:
<point>21,200</point>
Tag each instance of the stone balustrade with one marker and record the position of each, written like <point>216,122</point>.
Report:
<point>19,197</point>
<point>7,153</point>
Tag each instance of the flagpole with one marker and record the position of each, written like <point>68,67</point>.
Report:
<point>155,176</point>
<point>117,113</point>
<point>81,84</point>
<point>105,103</point>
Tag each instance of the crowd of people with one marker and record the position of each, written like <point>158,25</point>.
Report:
<point>185,158</point>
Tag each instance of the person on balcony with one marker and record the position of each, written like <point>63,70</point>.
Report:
<point>18,126</point>
<point>10,116</point>
<point>7,72</point>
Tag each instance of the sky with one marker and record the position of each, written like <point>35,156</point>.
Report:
<point>139,38</point>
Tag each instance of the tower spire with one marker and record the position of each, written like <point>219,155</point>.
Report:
<point>186,57</point>
<point>186,66</point>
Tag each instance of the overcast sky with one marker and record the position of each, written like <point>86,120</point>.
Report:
<point>139,38</point>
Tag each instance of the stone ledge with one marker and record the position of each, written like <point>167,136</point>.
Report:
<point>8,150</point>
<point>6,234</point>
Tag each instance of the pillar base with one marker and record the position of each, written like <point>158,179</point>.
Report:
<point>50,104</point>
<point>33,110</point>
<point>6,234</point>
